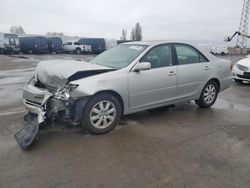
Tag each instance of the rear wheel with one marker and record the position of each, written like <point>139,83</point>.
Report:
<point>209,95</point>
<point>101,114</point>
<point>223,53</point>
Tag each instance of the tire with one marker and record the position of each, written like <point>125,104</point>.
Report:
<point>208,95</point>
<point>78,51</point>
<point>238,81</point>
<point>1,51</point>
<point>223,53</point>
<point>30,52</point>
<point>105,111</point>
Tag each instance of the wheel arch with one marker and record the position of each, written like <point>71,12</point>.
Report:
<point>216,81</point>
<point>115,94</point>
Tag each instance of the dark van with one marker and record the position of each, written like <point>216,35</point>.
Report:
<point>97,44</point>
<point>34,45</point>
<point>55,44</point>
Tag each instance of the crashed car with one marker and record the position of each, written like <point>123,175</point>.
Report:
<point>125,79</point>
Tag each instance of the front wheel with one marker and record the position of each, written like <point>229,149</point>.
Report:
<point>101,114</point>
<point>208,95</point>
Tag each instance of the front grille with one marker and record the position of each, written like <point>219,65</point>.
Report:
<point>245,76</point>
<point>32,103</point>
<point>243,68</point>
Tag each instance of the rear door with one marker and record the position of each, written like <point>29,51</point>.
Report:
<point>193,69</point>
<point>153,87</point>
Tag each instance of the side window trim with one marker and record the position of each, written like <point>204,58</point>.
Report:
<point>172,49</point>
<point>199,53</point>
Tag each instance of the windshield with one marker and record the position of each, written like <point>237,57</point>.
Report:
<point>120,56</point>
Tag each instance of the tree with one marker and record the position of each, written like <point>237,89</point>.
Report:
<point>124,34</point>
<point>136,33</point>
<point>17,30</point>
<point>132,34</point>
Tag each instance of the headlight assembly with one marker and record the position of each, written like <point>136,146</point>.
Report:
<point>65,91</point>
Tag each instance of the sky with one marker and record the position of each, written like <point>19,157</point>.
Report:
<point>206,21</point>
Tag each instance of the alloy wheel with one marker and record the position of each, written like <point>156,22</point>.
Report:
<point>103,114</point>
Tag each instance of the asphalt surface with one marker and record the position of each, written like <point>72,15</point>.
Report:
<point>181,146</point>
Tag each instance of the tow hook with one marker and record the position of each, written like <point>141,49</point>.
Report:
<point>27,135</point>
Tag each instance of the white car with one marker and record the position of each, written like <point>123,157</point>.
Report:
<point>76,47</point>
<point>241,70</point>
<point>219,50</point>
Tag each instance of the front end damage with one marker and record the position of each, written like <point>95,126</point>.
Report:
<point>45,103</point>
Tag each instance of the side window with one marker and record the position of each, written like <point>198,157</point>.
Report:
<point>188,55</point>
<point>76,43</point>
<point>160,56</point>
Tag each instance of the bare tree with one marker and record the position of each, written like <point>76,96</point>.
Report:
<point>17,30</point>
<point>138,32</point>
<point>132,34</point>
<point>124,34</point>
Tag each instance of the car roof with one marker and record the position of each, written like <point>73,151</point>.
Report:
<point>149,43</point>
<point>157,42</point>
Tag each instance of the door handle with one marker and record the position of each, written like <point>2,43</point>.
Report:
<point>206,68</point>
<point>171,73</point>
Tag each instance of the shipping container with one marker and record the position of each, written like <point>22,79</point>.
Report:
<point>9,43</point>
<point>34,44</point>
<point>97,44</point>
<point>55,44</point>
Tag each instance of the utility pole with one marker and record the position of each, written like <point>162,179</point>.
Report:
<point>241,40</point>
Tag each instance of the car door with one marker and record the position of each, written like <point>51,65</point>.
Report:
<point>155,86</point>
<point>193,69</point>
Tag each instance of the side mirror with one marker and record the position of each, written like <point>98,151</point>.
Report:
<point>142,66</point>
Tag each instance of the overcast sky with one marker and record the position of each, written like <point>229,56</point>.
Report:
<point>197,20</point>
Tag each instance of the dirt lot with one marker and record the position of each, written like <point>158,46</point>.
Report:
<point>183,146</point>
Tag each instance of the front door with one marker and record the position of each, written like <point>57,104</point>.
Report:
<point>156,86</point>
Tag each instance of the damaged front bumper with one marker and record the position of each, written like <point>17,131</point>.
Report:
<point>42,103</point>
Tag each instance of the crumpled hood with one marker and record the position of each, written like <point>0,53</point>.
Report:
<point>56,73</point>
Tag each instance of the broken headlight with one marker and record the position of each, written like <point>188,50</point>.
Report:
<point>65,92</point>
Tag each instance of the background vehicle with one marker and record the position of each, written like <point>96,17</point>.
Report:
<point>219,50</point>
<point>76,47</point>
<point>125,79</point>
<point>9,43</point>
<point>55,44</point>
<point>34,44</point>
<point>110,43</point>
<point>98,45</point>
<point>241,70</point>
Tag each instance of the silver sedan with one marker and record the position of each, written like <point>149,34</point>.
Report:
<point>126,79</point>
